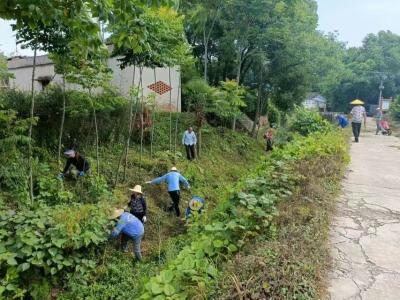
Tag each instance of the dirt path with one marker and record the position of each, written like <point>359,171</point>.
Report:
<point>365,235</point>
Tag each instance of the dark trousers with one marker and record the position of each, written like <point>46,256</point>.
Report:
<point>175,197</point>
<point>190,151</point>
<point>136,244</point>
<point>356,130</point>
<point>138,215</point>
<point>269,146</point>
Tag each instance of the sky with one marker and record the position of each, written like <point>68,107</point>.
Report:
<point>352,19</point>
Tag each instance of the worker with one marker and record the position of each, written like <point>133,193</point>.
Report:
<point>130,228</point>
<point>173,180</point>
<point>78,161</point>
<point>137,204</point>
<point>189,140</point>
<point>195,204</point>
<point>269,139</point>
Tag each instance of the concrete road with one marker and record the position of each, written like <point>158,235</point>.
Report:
<point>365,234</point>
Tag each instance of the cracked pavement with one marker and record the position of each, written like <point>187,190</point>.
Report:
<point>365,234</point>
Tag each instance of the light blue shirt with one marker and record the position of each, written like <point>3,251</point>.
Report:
<point>128,224</point>
<point>172,179</point>
<point>189,138</point>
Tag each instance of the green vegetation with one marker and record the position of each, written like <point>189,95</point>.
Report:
<point>264,230</point>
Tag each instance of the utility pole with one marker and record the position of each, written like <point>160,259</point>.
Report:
<point>381,87</point>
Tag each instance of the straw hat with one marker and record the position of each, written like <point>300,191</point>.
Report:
<point>357,102</point>
<point>70,153</point>
<point>117,212</point>
<point>137,189</point>
<point>174,169</point>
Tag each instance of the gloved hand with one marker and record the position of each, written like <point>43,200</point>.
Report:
<point>81,173</point>
<point>60,176</point>
<point>144,219</point>
<point>148,182</point>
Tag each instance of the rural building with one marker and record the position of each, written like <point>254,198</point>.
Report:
<point>168,96</point>
<point>315,101</point>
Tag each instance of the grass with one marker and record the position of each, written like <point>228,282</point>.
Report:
<point>292,263</point>
<point>226,157</point>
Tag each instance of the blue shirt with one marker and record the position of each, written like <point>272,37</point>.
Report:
<point>173,179</point>
<point>342,121</point>
<point>189,138</point>
<point>128,224</point>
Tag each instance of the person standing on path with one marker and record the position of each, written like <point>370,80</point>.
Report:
<point>137,204</point>
<point>189,140</point>
<point>378,119</point>
<point>130,228</point>
<point>359,115</point>
<point>173,180</point>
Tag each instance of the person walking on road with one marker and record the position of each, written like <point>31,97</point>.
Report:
<point>137,204</point>
<point>130,228</point>
<point>189,140</point>
<point>173,180</point>
<point>359,115</point>
<point>378,119</point>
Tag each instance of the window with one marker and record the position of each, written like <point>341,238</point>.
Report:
<point>44,81</point>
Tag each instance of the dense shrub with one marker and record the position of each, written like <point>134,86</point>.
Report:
<point>247,214</point>
<point>111,110</point>
<point>305,122</point>
<point>274,115</point>
<point>46,241</point>
<point>395,108</point>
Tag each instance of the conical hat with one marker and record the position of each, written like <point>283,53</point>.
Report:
<point>137,189</point>
<point>357,102</point>
<point>116,213</point>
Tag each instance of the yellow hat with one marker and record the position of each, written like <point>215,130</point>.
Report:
<point>174,169</point>
<point>357,102</point>
<point>117,212</point>
<point>137,189</point>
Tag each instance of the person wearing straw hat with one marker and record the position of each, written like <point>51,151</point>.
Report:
<point>130,228</point>
<point>137,204</point>
<point>173,179</point>
<point>195,204</point>
<point>359,115</point>
<point>78,161</point>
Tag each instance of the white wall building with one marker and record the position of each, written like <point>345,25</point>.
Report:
<point>315,101</point>
<point>168,96</point>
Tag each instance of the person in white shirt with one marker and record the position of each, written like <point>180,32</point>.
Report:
<point>359,115</point>
<point>189,140</point>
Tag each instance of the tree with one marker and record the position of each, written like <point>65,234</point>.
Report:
<point>154,38</point>
<point>4,74</point>
<point>34,24</point>
<point>200,99</point>
<point>229,101</point>
<point>377,59</point>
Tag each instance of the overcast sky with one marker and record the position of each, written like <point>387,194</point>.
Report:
<point>353,19</point>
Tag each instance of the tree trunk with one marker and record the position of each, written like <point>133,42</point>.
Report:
<point>199,144</point>
<point>153,118</point>
<point>258,108</point>
<point>62,124</point>
<point>128,139</point>
<point>170,110</point>
<point>30,162</point>
<point>237,80</point>
<point>205,41</point>
<point>96,129</point>
<point>177,111</point>
<point>141,119</point>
